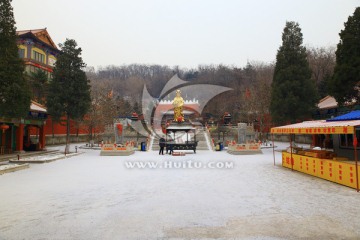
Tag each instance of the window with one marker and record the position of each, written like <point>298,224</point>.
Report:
<point>38,56</point>
<point>346,140</point>
<point>21,53</point>
<point>51,61</point>
<point>343,140</point>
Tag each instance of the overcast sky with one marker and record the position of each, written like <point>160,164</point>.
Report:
<point>183,32</point>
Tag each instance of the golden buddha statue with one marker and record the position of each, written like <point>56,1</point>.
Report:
<point>178,104</point>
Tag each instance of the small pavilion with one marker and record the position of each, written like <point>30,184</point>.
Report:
<point>15,132</point>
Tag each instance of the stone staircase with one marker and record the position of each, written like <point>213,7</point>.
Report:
<point>155,144</point>
<point>202,144</point>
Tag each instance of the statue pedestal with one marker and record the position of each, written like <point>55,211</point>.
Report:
<point>244,149</point>
<point>116,150</point>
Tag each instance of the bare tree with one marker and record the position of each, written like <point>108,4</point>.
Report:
<point>322,63</point>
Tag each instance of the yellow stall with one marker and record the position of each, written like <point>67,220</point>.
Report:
<point>339,163</point>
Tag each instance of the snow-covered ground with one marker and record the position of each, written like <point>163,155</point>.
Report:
<point>97,197</point>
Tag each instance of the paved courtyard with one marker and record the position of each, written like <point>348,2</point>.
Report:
<point>94,197</point>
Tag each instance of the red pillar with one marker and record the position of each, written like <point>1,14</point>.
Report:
<point>314,141</point>
<point>3,138</point>
<point>9,138</point>
<point>42,137</point>
<point>20,137</point>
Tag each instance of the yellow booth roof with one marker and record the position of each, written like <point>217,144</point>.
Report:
<point>318,127</point>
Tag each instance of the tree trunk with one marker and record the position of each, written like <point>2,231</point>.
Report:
<point>77,134</point>
<point>91,132</point>
<point>52,131</point>
<point>67,146</point>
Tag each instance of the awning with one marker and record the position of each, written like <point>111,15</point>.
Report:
<point>318,127</point>
<point>354,115</point>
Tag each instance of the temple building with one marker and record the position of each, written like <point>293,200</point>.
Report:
<point>39,52</point>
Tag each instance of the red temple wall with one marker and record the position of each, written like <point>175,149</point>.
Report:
<point>56,128</point>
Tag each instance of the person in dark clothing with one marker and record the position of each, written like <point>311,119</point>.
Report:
<point>161,145</point>
<point>170,146</point>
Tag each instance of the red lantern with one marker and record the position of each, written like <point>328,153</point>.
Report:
<point>4,127</point>
<point>134,116</point>
<point>120,128</point>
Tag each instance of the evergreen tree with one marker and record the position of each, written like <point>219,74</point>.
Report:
<point>69,90</point>
<point>345,83</point>
<point>293,93</point>
<point>136,108</point>
<point>14,91</point>
<point>39,81</point>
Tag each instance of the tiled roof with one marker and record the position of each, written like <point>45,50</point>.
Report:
<point>30,31</point>
<point>41,34</point>
<point>37,107</point>
<point>327,102</point>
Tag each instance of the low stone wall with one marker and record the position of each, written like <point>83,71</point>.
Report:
<point>61,139</point>
<point>13,167</point>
